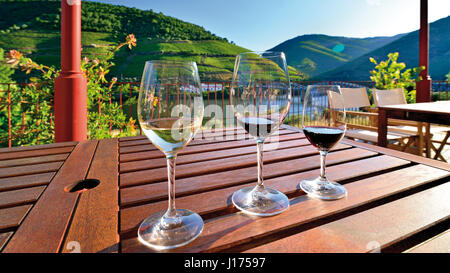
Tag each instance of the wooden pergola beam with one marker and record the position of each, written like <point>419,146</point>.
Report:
<point>423,93</point>
<point>70,86</point>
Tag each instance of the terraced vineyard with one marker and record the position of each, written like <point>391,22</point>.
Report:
<point>32,27</point>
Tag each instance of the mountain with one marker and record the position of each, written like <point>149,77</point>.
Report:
<point>33,27</point>
<point>314,54</point>
<point>408,48</point>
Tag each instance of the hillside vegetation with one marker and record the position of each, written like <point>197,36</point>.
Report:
<point>33,27</point>
<point>99,17</point>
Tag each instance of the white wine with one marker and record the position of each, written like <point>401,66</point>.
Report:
<point>171,88</point>
<point>169,134</point>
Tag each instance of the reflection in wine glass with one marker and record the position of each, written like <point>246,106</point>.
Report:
<point>170,112</point>
<point>261,98</point>
<point>324,126</point>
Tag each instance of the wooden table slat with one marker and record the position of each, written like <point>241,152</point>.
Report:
<point>218,200</point>
<point>124,140</point>
<point>94,224</point>
<point>4,238</point>
<point>38,147</point>
<point>130,138</point>
<point>200,168</point>
<point>48,220</point>
<point>381,226</point>
<point>30,169</point>
<point>34,153</point>
<point>11,217</point>
<point>438,244</point>
<point>32,160</point>
<point>204,156</point>
<point>198,139</point>
<point>196,184</point>
<point>236,229</point>
<point>18,182</point>
<point>20,197</point>
<point>145,144</point>
<point>144,152</point>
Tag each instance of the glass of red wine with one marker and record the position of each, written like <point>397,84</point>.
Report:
<point>261,98</point>
<point>324,126</point>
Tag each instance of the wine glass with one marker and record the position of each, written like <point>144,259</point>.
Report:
<point>324,125</point>
<point>261,98</point>
<point>170,112</point>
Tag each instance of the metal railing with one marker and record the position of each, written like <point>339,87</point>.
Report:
<point>18,112</point>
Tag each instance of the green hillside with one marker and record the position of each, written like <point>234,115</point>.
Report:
<point>408,48</point>
<point>314,54</point>
<point>33,27</point>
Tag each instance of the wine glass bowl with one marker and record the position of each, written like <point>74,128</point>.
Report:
<point>170,112</point>
<point>324,125</point>
<point>261,98</point>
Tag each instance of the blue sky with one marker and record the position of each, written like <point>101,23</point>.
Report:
<point>262,24</point>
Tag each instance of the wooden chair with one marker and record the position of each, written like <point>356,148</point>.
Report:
<point>422,129</point>
<point>362,121</point>
<point>388,97</point>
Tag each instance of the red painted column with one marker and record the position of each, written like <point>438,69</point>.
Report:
<point>71,85</point>
<point>423,93</point>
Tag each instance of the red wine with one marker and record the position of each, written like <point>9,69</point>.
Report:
<point>323,137</point>
<point>257,127</point>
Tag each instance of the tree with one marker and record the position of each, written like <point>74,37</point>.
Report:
<point>389,75</point>
<point>36,100</point>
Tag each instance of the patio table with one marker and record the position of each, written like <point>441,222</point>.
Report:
<point>396,202</point>
<point>429,112</point>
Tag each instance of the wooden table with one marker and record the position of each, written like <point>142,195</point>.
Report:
<point>429,112</point>
<point>396,201</point>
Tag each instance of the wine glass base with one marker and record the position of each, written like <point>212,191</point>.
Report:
<point>152,234</point>
<point>325,190</point>
<point>265,202</point>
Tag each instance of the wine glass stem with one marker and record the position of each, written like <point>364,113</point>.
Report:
<point>260,150</point>
<point>171,211</point>
<point>323,155</point>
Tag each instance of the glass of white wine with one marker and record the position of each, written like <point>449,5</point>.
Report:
<point>170,112</point>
